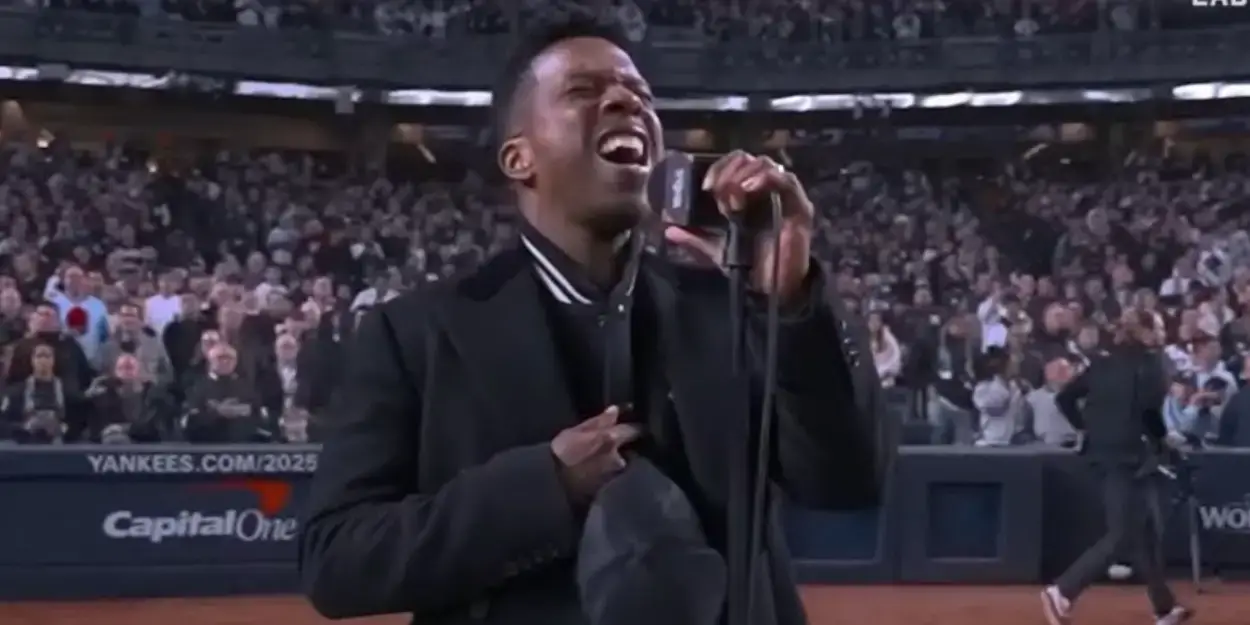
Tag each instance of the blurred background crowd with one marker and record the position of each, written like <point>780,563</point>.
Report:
<point>795,21</point>
<point>207,296</point>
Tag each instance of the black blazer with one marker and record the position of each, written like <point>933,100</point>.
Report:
<point>437,493</point>
<point>1123,392</point>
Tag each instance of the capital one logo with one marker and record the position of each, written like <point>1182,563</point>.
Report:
<point>1231,517</point>
<point>263,521</point>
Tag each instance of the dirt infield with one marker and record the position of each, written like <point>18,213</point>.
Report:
<point>829,605</point>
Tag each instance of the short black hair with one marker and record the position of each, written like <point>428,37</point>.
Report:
<point>554,26</point>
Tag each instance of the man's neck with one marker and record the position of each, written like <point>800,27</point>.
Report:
<point>593,252</point>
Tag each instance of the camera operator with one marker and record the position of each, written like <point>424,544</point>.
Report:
<point>1124,394</point>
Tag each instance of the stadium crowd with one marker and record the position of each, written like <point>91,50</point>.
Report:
<point>212,302</point>
<point>798,21</point>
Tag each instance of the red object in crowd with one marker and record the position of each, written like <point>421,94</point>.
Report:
<point>76,320</point>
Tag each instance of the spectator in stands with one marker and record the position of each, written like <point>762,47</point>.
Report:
<point>997,313</point>
<point>1088,344</point>
<point>1234,426</point>
<point>320,359</point>
<point>70,363</point>
<point>998,401</point>
<point>1181,406</point>
<point>197,367</point>
<point>41,408</point>
<point>224,407</point>
<point>886,352</point>
<point>1041,415</point>
<point>183,334</point>
<point>278,382</point>
<point>127,407</point>
<point>1208,367</point>
<point>131,336</point>
<point>163,307</point>
<point>384,287</point>
<point>83,314</point>
<point>12,323</point>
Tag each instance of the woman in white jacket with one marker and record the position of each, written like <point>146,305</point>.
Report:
<point>886,352</point>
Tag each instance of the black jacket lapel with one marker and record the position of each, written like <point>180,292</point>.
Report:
<point>499,330</point>
<point>695,352</point>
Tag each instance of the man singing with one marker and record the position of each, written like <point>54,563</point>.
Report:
<point>478,418</point>
<point>1123,393</point>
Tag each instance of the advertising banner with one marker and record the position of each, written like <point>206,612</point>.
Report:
<point>88,522</point>
<point>151,506</point>
<point>1221,483</point>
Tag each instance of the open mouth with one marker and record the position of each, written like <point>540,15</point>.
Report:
<point>624,148</point>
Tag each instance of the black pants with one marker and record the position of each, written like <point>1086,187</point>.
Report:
<point>1134,527</point>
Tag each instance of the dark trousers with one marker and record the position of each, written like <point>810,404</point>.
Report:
<point>1134,527</point>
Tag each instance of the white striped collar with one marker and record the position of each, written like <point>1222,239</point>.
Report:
<point>557,283</point>
<point>564,287</point>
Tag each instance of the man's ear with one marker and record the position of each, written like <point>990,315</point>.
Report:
<point>516,159</point>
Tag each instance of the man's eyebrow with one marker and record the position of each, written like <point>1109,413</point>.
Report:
<point>631,80</point>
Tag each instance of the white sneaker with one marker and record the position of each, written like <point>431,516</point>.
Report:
<point>1057,608</point>
<point>1179,614</point>
<point>1119,572</point>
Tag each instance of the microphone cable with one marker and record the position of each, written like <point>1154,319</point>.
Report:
<point>739,254</point>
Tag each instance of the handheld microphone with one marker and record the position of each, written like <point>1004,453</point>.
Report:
<point>678,200</point>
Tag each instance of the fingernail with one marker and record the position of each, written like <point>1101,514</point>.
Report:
<point>751,184</point>
<point>707,181</point>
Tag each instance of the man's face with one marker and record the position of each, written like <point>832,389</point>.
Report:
<point>1180,391</point>
<point>586,134</point>
<point>45,319</point>
<point>209,340</point>
<point>127,368</point>
<point>1209,353</point>
<point>222,360</point>
<point>10,301</point>
<point>74,281</point>
<point>43,359</point>
<point>190,305</point>
<point>323,288</point>
<point>1058,372</point>
<point>922,297</point>
<point>286,348</point>
<point>277,305</point>
<point>1026,286</point>
<point>128,318</point>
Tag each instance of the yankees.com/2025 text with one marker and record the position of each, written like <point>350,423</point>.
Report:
<point>208,463</point>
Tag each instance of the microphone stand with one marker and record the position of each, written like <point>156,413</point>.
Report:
<point>747,505</point>
<point>738,262</point>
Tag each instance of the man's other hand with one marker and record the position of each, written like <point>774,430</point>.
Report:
<point>589,453</point>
